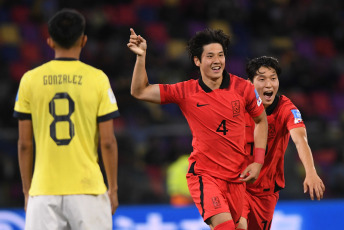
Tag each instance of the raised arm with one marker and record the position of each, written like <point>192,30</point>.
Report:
<point>312,183</point>
<point>251,173</point>
<point>140,87</point>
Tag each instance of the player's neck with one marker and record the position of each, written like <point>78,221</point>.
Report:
<point>73,52</point>
<point>212,83</point>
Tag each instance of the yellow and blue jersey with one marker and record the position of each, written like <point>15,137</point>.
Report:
<point>66,99</point>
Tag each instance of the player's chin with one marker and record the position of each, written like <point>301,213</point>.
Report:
<point>267,103</point>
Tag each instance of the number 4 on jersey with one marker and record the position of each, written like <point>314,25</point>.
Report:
<point>222,127</point>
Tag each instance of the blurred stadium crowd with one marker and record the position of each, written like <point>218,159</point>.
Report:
<point>307,36</point>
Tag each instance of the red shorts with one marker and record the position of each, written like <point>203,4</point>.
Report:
<point>259,210</point>
<point>213,196</point>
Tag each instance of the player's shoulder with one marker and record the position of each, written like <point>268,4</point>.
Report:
<point>239,84</point>
<point>95,76</point>
<point>289,110</point>
<point>36,71</point>
<point>286,108</point>
<point>236,78</point>
<point>187,84</point>
<point>285,103</point>
<point>92,69</point>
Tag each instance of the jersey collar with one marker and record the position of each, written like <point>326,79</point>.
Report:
<point>224,83</point>
<point>269,110</point>
<point>65,59</point>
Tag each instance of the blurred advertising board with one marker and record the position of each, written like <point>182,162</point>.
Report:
<point>289,215</point>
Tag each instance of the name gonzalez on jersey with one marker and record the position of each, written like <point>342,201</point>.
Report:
<point>62,79</point>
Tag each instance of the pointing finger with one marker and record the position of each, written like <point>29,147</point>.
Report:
<point>132,32</point>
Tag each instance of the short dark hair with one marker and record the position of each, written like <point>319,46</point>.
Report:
<point>205,37</point>
<point>66,27</point>
<point>254,64</point>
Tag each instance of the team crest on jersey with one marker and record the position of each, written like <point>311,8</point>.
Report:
<point>216,202</point>
<point>236,108</point>
<point>271,131</point>
<point>259,100</point>
<point>297,116</point>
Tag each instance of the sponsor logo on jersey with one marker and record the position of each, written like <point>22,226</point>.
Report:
<point>259,100</point>
<point>297,116</point>
<point>200,105</point>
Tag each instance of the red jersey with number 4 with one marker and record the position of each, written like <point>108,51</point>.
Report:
<point>217,122</point>
<point>282,116</point>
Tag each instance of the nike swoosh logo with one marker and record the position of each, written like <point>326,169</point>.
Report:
<point>200,105</point>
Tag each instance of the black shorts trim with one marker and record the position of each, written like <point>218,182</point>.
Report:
<point>192,168</point>
<point>201,194</point>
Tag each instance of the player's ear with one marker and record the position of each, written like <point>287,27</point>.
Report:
<point>197,61</point>
<point>83,41</point>
<point>51,43</point>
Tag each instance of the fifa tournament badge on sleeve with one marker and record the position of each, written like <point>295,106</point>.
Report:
<point>259,100</point>
<point>111,96</point>
<point>297,116</point>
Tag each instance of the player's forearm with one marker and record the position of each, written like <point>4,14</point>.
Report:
<point>110,161</point>
<point>140,79</point>
<point>261,132</point>
<point>306,157</point>
<point>25,158</point>
<point>299,137</point>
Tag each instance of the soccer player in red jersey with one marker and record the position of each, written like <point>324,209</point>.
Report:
<point>284,120</point>
<point>214,106</point>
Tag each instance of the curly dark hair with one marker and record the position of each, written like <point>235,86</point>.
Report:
<point>205,37</point>
<point>254,64</point>
<point>66,27</point>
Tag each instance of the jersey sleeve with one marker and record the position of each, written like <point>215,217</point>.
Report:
<point>170,93</point>
<point>293,117</point>
<point>22,109</point>
<point>108,108</point>
<point>254,105</point>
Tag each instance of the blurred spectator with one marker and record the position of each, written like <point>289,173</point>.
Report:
<point>177,187</point>
<point>307,36</point>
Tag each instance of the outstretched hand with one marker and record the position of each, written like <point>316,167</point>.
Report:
<point>137,44</point>
<point>313,184</point>
<point>251,173</point>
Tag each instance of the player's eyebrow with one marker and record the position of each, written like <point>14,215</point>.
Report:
<point>211,52</point>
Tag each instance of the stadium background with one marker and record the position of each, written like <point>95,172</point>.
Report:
<point>306,36</point>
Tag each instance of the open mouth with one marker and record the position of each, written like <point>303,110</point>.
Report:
<point>268,95</point>
<point>216,68</point>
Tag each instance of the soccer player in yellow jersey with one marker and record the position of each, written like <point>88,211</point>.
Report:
<point>65,106</point>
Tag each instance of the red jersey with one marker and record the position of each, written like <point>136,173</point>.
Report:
<point>282,116</point>
<point>217,122</point>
